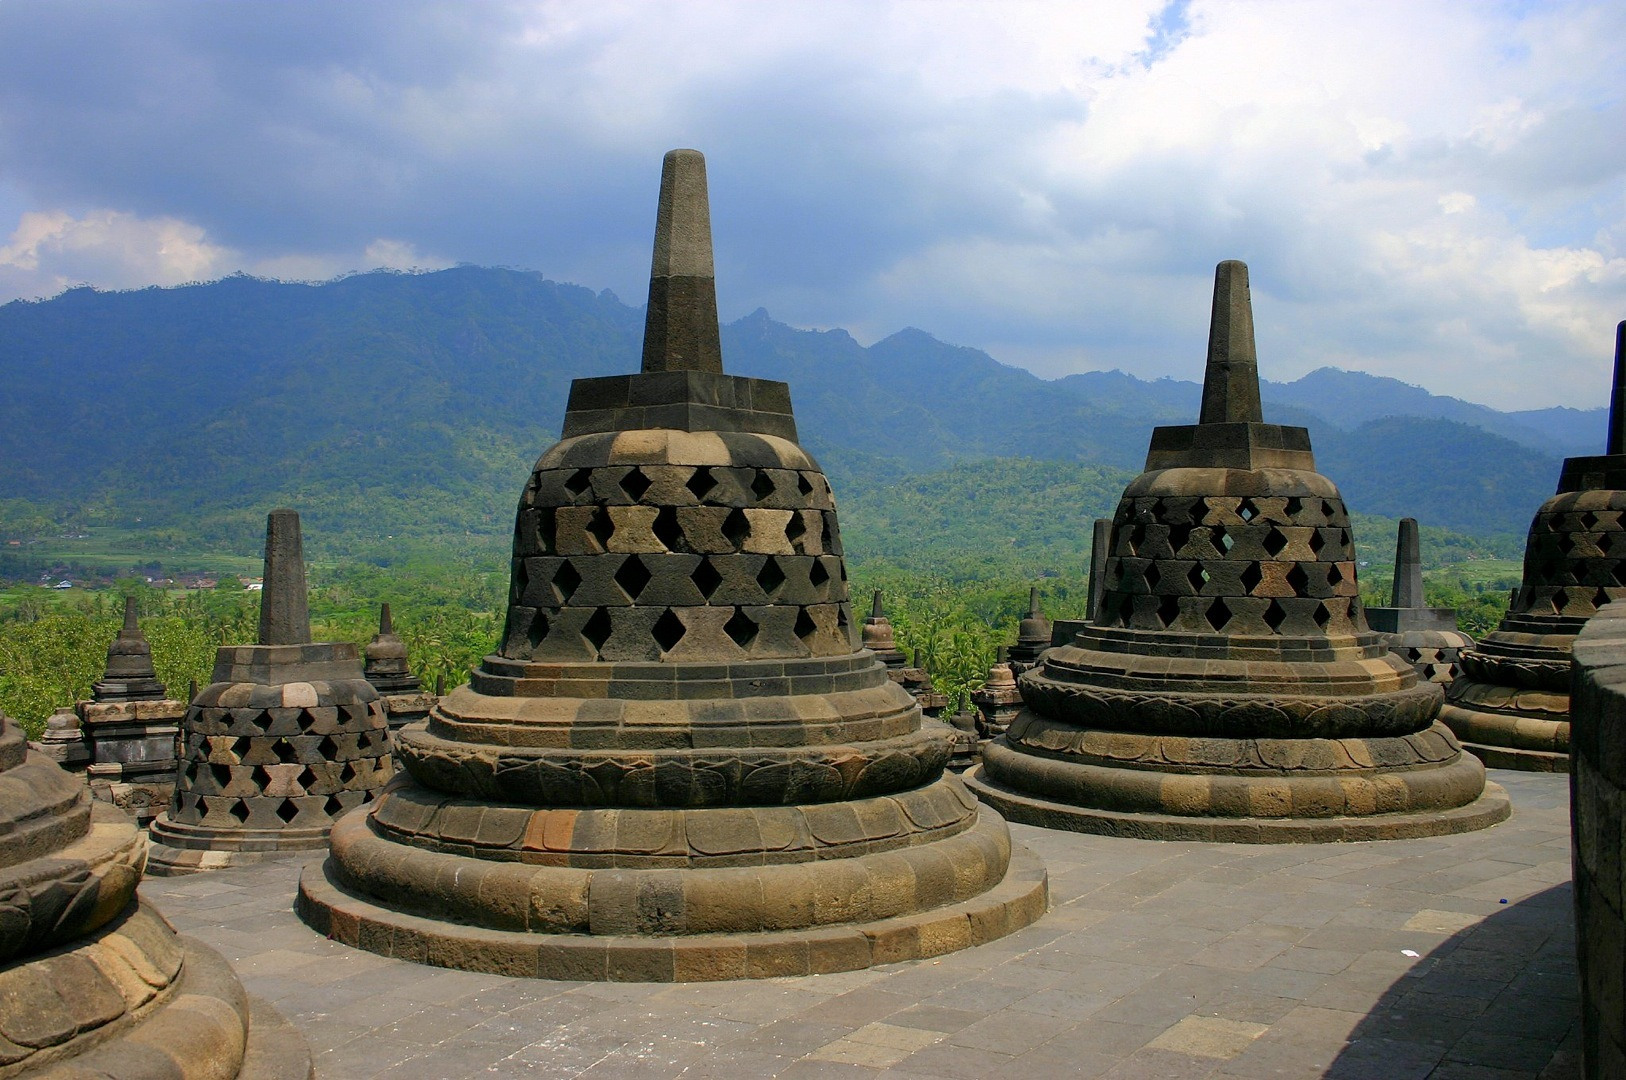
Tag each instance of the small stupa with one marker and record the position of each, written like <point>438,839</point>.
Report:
<point>1511,703</point>
<point>129,727</point>
<point>386,668</point>
<point>1032,636</point>
<point>680,764</point>
<point>998,701</point>
<point>93,981</point>
<point>1228,687</point>
<point>1427,638</point>
<point>879,638</point>
<point>288,737</point>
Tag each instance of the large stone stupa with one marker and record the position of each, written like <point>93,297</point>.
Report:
<point>94,982</point>
<point>288,737</point>
<point>1228,687</point>
<point>1511,702</point>
<point>679,764</point>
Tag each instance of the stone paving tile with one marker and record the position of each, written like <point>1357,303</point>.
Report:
<point>1160,960</point>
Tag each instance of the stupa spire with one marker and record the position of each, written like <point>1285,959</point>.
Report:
<point>1617,397</point>
<point>285,617</point>
<point>1231,380</point>
<point>386,627</point>
<point>680,329</point>
<point>1408,587</point>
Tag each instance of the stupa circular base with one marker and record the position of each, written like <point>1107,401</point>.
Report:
<point>175,849</point>
<point>1514,740</point>
<point>1019,899</point>
<point>135,1000</point>
<point>1491,807</point>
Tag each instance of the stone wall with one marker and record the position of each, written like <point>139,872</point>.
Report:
<point>1597,806</point>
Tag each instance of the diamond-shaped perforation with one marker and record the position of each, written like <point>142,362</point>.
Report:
<point>1618,572</point>
<point>239,810</point>
<point>741,629</point>
<point>333,807</point>
<point>668,630</point>
<point>261,777</point>
<point>805,627</point>
<point>1298,579</point>
<point>287,811</point>
<point>706,578</point>
<point>287,754</point>
<point>635,483</point>
<point>596,631</point>
<point>817,574</point>
<point>1153,577</point>
<point>601,528</point>
<point>1126,611</point>
<point>1224,540</point>
<point>1566,543</point>
<point>566,579</point>
<point>770,577</point>
<point>702,483</point>
<point>328,749</point>
<point>632,575</point>
<point>736,528</point>
<point>221,775</point>
<point>1275,616</point>
<point>1293,507</point>
<point>1589,521</point>
<point>1198,577</point>
<point>1168,610</point>
<point>827,539</point>
<point>1246,510</point>
<point>803,485</point>
<point>761,485</point>
<point>1334,575</point>
<point>1179,536</point>
<point>1132,538</point>
<point>1275,541</point>
<point>1322,615</point>
<point>795,530</point>
<point>347,772</point>
<point>579,482</point>
<point>1316,542</point>
<point>1251,577</point>
<point>537,630</point>
<point>667,530</point>
<point>1218,614</point>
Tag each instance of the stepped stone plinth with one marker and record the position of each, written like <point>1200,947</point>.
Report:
<point>1228,687</point>
<point>878,637</point>
<point>129,727</point>
<point>399,691</point>
<point>288,738</point>
<point>1426,638</point>
<point>1032,636</point>
<point>93,982</point>
<point>1511,702</point>
<point>679,764</point>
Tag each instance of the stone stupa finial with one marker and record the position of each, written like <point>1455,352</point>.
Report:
<point>680,329</point>
<point>875,611</point>
<point>1617,398</point>
<point>1408,587</point>
<point>129,675</point>
<point>1231,380</point>
<point>285,617</point>
<point>1100,548</point>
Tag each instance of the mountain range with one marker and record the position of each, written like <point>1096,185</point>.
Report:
<point>389,404</point>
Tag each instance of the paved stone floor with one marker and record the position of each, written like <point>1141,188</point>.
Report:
<point>1451,958</point>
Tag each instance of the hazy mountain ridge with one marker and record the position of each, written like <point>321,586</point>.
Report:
<point>414,403</point>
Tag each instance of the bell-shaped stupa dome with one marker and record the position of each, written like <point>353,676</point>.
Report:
<point>680,763</point>
<point>1511,703</point>
<point>1228,687</point>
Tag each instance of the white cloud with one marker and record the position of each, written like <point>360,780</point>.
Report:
<point>1423,188</point>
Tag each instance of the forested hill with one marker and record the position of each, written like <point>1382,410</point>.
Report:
<point>413,404</point>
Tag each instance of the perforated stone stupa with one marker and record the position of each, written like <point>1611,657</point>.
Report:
<point>1426,638</point>
<point>1032,636</point>
<point>1511,704</point>
<point>93,982</point>
<point>1229,688</point>
<point>679,764</point>
<point>400,692</point>
<point>287,738</point>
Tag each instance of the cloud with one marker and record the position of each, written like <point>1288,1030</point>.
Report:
<point>1426,189</point>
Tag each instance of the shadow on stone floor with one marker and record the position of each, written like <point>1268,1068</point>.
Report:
<point>1498,1000</point>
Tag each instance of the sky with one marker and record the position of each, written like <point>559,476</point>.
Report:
<point>1433,191</point>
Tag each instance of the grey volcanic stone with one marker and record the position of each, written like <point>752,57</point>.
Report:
<point>287,738</point>
<point>95,982</point>
<point>1100,549</point>
<point>1426,638</point>
<point>285,617</point>
<point>1227,685</point>
<point>129,675</point>
<point>1511,704</point>
<point>681,763</point>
